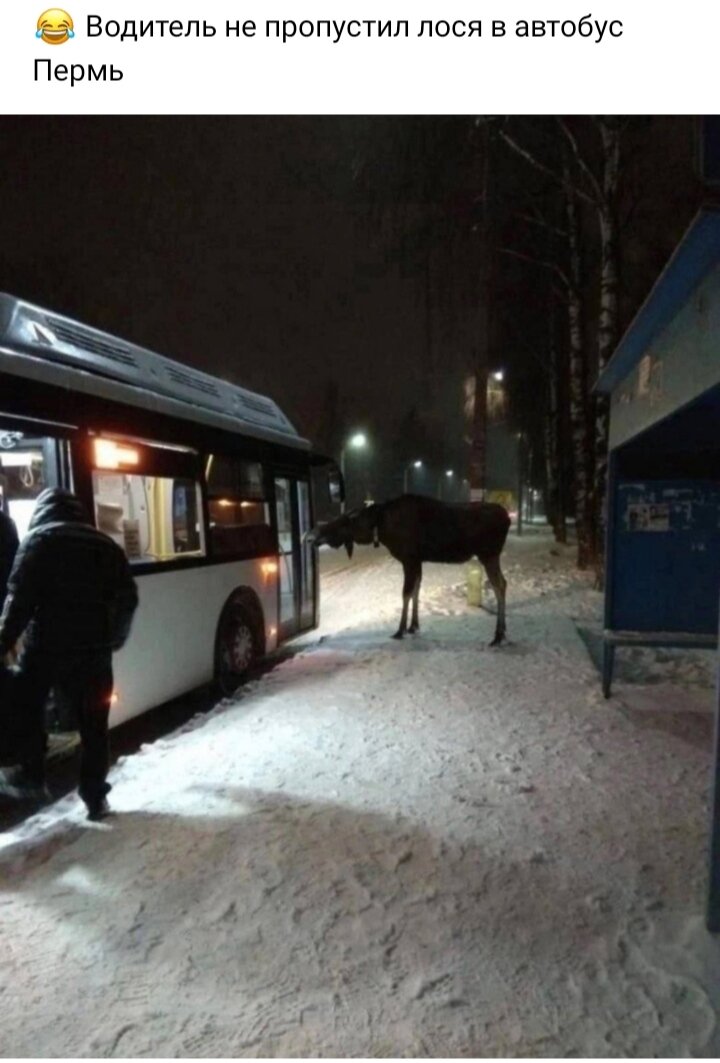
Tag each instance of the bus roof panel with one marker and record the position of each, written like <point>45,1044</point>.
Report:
<point>83,351</point>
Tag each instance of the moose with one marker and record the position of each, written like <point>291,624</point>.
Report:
<point>416,529</point>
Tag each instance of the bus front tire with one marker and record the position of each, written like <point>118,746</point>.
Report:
<point>237,649</point>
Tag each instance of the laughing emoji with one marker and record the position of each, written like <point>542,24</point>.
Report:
<point>55,26</point>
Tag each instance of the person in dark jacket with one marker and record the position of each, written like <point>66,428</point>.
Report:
<point>8,548</point>
<point>72,595</point>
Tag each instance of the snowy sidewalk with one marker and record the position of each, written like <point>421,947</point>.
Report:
<point>382,848</point>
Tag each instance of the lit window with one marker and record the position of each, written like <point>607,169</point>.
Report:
<point>28,464</point>
<point>153,518</point>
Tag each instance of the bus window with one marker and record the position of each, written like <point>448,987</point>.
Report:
<point>239,514</point>
<point>28,464</point>
<point>186,522</point>
<point>153,518</point>
<point>328,489</point>
<point>230,477</point>
<point>335,487</point>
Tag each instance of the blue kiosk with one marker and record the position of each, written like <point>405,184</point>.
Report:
<point>663,512</point>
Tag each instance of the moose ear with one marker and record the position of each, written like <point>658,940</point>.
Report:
<point>349,546</point>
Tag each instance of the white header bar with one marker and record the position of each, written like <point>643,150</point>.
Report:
<point>394,57</point>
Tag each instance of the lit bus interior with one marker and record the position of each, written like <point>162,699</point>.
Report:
<point>158,518</point>
<point>28,464</point>
<point>152,518</point>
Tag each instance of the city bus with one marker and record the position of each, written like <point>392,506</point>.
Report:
<point>206,486</point>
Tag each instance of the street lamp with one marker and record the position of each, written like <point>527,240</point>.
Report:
<point>449,473</point>
<point>496,395</point>
<point>411,465</point>
<point>357,441</point>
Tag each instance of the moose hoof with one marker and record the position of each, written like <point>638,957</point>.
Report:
<point>398,635</point>
<point>497,640</point>
<point>414,629</point>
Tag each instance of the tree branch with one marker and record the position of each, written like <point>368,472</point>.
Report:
<point>529,157</point>
<point>597,197</point>
<point>534,161</point>
<point>537,219</point>
<point>543,263</point>
<point>625,220</point>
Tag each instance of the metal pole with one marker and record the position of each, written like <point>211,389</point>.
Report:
<point>608,663</point>
<point>713,902</point>
<point>405,479</point>
<point>342,473</point>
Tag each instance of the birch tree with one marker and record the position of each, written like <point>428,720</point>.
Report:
<point>595,184</point>
<point>603,191</point>
<point>580,415</point>
<point>554,428</point>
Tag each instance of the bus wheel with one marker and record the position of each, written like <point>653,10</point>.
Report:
<point>237,649</point>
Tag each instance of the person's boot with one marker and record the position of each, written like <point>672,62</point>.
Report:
<point>97,809</point>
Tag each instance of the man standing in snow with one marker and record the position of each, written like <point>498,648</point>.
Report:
<point>8,549</point>
<point>72,595</point>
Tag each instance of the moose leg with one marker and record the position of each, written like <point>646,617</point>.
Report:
<point>415,622</point>
<point>499,585</point>
<point>410,569</point>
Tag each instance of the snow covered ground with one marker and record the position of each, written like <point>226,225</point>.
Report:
<point>383,848</point>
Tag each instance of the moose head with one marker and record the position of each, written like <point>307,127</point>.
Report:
<point>358,526</point>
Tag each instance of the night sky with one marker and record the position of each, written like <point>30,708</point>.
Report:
<point>229,244</point>
<point>257,249</point>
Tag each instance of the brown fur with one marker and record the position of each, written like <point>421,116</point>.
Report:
<point>416,529</point>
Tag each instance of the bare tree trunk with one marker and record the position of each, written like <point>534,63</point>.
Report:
<point>429,367</point>
<point>551,485</point>
<point>555,502</point>
<point>579,405</point>
<point>580,182</point>
<point>608,324</point>
<point>478,450</point>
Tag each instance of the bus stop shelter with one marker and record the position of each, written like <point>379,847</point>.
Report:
<point>663,493</point>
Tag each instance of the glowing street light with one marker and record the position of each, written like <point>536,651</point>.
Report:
<point>357,441</point>
<point>498,375</point>
<point>449,474</point>
<point>406,471</point>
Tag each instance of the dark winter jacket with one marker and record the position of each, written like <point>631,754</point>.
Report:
<point>8,549</point>
<point>70,589</point>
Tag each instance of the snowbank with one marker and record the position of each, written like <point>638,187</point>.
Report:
<point>382,848</point>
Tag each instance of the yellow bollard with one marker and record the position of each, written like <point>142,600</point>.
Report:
<point>475,579</point>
